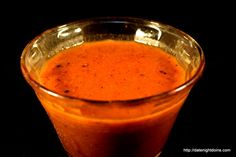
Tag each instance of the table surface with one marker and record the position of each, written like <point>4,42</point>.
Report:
<point>205,121</point>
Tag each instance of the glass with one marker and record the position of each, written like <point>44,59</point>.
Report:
<point>106,135</point>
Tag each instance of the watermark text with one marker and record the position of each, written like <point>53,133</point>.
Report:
<point>206,150</point>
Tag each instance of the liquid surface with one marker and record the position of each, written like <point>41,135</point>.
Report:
<point>112,70</point>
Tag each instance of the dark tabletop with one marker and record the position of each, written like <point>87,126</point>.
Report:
<point>206,119</point>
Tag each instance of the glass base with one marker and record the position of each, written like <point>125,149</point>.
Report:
<point>155,155</point>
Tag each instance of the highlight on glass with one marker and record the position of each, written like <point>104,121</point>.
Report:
<point>112,87</point>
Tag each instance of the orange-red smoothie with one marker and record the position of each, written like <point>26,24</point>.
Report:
<point>107,71</point>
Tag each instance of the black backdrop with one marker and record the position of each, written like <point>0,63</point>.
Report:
<point>206,119</point>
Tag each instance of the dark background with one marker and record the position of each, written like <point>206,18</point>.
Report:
<point>206,119</point>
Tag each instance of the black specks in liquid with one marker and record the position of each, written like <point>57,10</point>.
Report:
<point>163,72</point>
<point>66,91</point>
<point>58,65</point>
<point>85,65</point>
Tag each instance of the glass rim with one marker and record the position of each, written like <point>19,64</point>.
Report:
<point>169,92</point>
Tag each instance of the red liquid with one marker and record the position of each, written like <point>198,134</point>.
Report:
<point>112,70</point>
